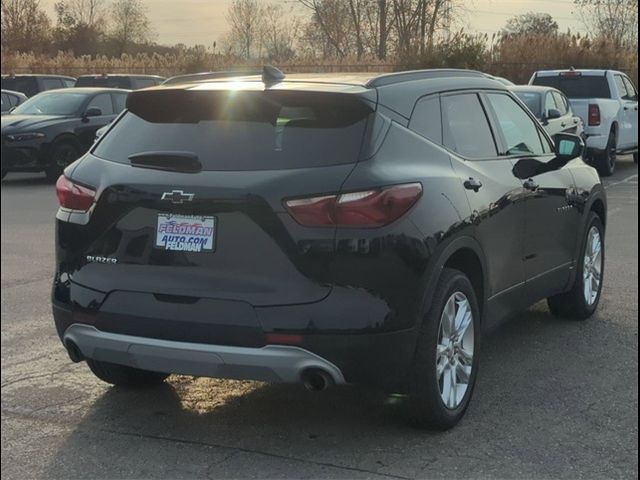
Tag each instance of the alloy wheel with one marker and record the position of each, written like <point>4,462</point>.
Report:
<point>454,356</point>
<point>592,270</point>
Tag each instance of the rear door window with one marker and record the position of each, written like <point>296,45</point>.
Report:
<point>631,89</point>
<point>102,102</point>
<point>143,83</point>
<point>622,88</point>
<point>241,130</point>
<point>427,119</point>
<point>466,128</point>
<point>6,103</point>
<point>119,101</point>
<point>561,102</point>
<point>549,103</point>
<point>52,83</point>
<point>518,129</point>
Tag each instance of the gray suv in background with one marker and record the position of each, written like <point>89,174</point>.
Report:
<point>31,85</point>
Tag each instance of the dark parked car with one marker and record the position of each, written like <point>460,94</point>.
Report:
<point>127,82</point>
<point>551,108</point>
<point>341,229</point>
<point>31,85</point>
<point>11,99</point>
<point>52,129</point>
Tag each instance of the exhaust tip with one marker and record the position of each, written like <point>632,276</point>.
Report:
<point>74,352</point>
<point>316,380</point>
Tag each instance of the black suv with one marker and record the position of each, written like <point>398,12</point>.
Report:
<point>323,230</point>
<point>31,85</point>
<point>53,129</point>
<point>127,82</point>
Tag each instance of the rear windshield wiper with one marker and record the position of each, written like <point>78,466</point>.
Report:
<point>183,162</point>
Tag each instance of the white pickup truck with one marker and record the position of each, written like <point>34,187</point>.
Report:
<point>607,102</point>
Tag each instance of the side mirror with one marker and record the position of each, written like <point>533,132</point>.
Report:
<point>568,146</point>
<point>93,112</point>
<point>553,114</point>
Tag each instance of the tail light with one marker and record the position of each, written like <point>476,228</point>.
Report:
<point>594,115</point>
<point>366,209</point>
<point>73,196</point>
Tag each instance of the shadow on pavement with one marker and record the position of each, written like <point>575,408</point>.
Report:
<point>542,383</point>
<point>25,179</point>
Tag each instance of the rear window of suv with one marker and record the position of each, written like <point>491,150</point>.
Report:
<point>104,82</point>
<point>248,130</point>
<point>26,85</point>
<point>578,86</point>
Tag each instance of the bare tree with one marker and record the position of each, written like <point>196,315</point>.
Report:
<point>245,20</point>
<point>24,25</point>
<point>83,12</point>
<point>80,25</point>
<point>279,33</point>
<point>614,19</point>
<point>383,29</point>
<point>130,24</point>
<point>333,19</point>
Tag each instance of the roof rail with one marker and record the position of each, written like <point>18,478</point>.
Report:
<point>408,76</point>
<point>198,77</point>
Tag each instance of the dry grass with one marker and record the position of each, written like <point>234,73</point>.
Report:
<point>512,57</point>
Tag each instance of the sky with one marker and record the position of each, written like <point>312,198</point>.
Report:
<point>203,21</point>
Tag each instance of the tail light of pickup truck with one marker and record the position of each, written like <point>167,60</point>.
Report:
<point>594,115</point>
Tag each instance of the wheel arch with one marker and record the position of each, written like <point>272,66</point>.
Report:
<point>66,137</point>
<point>466,255</point>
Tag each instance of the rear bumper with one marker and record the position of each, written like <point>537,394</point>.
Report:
<point>271,363</point>
<point>381,359</point>
<point>596,143</point>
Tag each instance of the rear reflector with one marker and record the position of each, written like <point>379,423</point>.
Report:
<point>594,115</point>
<point>283,339</point>
<point>366,209</point>
<point>571,74</point>
<point>73,196</point>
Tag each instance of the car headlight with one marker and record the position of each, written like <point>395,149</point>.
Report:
<point>24,137</point>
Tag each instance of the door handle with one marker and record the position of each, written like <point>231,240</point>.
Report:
<point>531,185</point>
<point>473,184</point>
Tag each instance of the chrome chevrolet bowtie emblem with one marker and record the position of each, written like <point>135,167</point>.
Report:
<point>177,197</point>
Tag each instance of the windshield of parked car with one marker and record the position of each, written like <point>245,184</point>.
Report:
<point>52,103</point>
<point>241,130</point>
<point>532,100</point>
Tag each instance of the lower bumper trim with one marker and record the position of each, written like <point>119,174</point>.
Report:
<point>271,363</point>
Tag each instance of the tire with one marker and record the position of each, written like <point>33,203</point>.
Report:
<point>574,303</point>
<point>62,154</point>
<point>635,158</point>
<point>122,376</point>
<point>427,392</point>
<point>3,173</point>
<point>606,161</point>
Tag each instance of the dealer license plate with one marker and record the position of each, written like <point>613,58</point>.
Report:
<point>186,233</point>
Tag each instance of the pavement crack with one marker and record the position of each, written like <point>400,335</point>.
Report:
<point>253,451</point>
<point>33,377</point>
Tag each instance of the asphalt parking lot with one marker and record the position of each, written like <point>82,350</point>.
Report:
<point>554,399</point>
